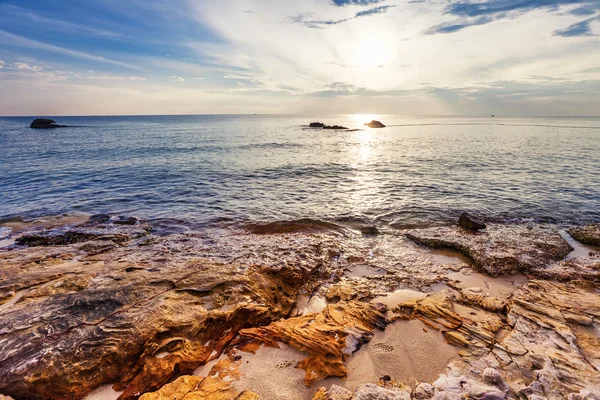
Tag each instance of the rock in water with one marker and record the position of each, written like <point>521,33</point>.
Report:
<point>501,249</point>
<point>334,127</point>
<point>469,222</point>
<point>589,234</point>
<point>317,125</point>
<point>375,124</point>
<point>43,123</point>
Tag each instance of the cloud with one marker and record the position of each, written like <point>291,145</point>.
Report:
<point>577,29</point>
<point>199,78</point>
<point>116,78</point>
<point>177,79</point>
<point>355,2</point>
<point>501,7</point>
<point>474,13</point>
<point>25,66</point>
<point>2,64</point>
<point>23,41</point>
<point>312,23</point>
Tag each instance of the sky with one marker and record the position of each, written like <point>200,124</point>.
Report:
<point>404,57</point>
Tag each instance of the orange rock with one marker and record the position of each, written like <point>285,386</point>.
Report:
<point>328,337</point>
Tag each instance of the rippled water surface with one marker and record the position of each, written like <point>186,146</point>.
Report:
<point>204,169</point>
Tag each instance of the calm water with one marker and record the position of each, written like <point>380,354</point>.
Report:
<point>204,169</point>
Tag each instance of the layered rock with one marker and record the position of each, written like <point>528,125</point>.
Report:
<point>501,249</point>
<point>551,350</point>
<point>140,313</point>
<point>328,337</point>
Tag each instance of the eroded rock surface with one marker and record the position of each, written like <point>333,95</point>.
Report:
<point>552,349</point>
<point>77,316</point>
<point>589,234</point>
<point>501,249</point>
<point>328,337</point>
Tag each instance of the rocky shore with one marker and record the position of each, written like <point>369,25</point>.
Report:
<point>106,308</point>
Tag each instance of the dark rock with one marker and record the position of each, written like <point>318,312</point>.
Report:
<point>375,124</point>
<point>369,230</point>
<point>334,127</point>
<point>469,222</point>
<point>317,125</point>
<point>42,123</point>
<point>116,229</point>
<point>589,234</point>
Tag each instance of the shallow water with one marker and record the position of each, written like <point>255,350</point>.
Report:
<point>207,169</point>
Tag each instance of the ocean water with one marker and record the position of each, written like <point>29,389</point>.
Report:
<point>206,170</point>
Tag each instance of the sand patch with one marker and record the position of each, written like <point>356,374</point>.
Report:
<point>104,392</point>
<point>407,351</point>
<point>271,373</point>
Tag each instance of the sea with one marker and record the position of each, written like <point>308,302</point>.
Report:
<point>229,170</point>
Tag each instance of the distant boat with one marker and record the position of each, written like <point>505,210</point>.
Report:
<point>493,115</point>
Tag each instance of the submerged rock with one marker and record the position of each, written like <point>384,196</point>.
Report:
<point>375,124</point>
<point>337,127</point>
<point>502,249</point>
<point>43,123</point>
<point>469,222</point>
<point>103,227</point>
<point>589,234</point>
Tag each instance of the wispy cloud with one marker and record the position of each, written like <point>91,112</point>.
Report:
<point>116,78</point>
<point>2,64</point>
<point>577,29</point>
<point>355,2</point>
<point>177,79</point>
<point>23,41</point>
<point>310,22</point>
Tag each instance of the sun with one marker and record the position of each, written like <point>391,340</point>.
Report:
<point>371,52</point>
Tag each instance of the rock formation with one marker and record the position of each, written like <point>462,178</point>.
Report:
<point>42,123</point>
<point>502,249</point>
<point>76,316</point>
<point>375,124</point>
<point>589,234</point>
<point>470,223</point>
<point>317,125</point>
<point>108,301</point>
<point>337,127</point>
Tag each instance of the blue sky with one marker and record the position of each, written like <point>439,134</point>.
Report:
<point>413,57</point>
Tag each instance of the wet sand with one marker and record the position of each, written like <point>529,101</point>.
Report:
<point>407,351</point>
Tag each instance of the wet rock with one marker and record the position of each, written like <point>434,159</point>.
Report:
<point>303,225</point>
<point>375,124</point>
<point>73,320</point>
<point>369,230</point>
<point>335,127</point>
<point>501,249</point>
<point>43,123</point>
<point>589,234</point>
<point>371,391</point>
<point>317,125</point>
<point>470,223</point>
<point>328,337</point>
<point>103,227</point>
